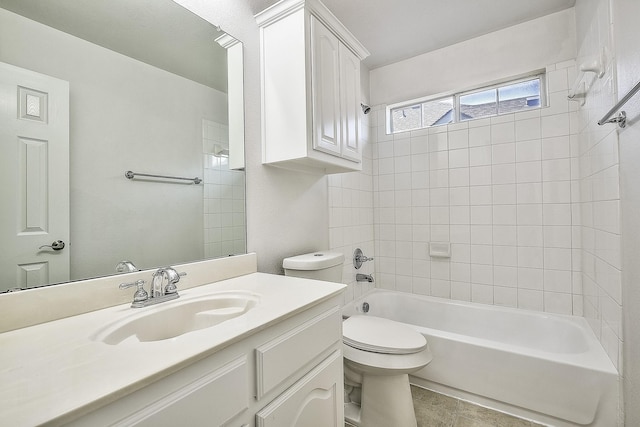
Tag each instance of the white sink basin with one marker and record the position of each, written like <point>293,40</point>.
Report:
<point>178,317</point>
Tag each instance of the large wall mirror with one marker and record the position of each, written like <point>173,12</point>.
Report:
<point>143,86</point>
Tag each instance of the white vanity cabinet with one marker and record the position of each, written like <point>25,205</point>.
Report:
<point>310,75</point>
<point>289,374</point>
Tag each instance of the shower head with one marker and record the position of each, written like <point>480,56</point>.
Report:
<point>365,108</point>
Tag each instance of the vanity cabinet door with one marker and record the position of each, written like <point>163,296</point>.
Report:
<point>316,400</point>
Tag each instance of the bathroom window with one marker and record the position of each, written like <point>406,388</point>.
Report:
<point>422,115</point>
<point>507,97</point>
<point>503,99</point>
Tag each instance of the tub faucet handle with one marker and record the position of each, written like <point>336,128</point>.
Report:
<point>359,258</point>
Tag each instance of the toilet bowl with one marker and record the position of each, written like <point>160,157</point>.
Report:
<point>379,355</point>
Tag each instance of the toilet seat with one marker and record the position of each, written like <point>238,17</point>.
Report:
<point>383,336</point>
<point>379,354</point>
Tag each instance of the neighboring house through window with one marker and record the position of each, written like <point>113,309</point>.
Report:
<point>507,97</point>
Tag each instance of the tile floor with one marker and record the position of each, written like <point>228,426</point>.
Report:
<point>437,410</point>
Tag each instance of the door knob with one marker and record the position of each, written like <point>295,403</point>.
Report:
<point>58,245</point>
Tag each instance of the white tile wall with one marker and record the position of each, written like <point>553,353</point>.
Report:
<point>224,197</point>
<point>499,189</point>
<point>351,207</point>
<point>599,195</point>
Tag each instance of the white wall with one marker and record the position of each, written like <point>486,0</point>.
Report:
<point>287,212</point>
<point>626,14</point>
<point>512,51</point>
<point>119,108</point>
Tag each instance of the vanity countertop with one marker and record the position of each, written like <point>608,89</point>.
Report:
<point>55,371</point>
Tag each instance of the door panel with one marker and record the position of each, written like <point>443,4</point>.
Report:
<point>32,186</point>
<point>350,88</point>
<point>326,94</point>
<point>34,178</point>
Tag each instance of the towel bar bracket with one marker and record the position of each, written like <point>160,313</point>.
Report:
<point>620,119</point>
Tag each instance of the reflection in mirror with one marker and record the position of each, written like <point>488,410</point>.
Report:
<point>101,88</point>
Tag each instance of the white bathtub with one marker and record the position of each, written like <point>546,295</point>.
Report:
<point>544,367</point>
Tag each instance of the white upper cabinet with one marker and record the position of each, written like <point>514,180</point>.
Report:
<point>310,72</point>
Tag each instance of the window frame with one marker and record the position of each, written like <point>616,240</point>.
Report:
<point>455,97</point>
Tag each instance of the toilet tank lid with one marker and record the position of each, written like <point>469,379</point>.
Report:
<point>313,261</point>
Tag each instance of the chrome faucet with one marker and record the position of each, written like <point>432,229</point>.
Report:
<point>125,266</point>
<point>364,278</point>
<point>172,277</point>
<point>158,291</point>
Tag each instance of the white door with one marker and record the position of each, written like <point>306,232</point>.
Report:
<point>34,178</point>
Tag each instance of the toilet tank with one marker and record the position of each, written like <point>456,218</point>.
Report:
<point>316,265</point>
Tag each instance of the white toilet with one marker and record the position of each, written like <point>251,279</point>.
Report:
<point>378,354</point>
<point>316,265</point>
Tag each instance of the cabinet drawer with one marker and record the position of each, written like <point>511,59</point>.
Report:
<point>211,400</point>
<point>283,356</point>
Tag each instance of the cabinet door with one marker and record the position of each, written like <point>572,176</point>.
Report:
<point>325,72</point>
<point>350,104</point>
<point>314,401</point>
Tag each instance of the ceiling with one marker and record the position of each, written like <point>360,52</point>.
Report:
<point>393,30</point>
<point>158,32</point>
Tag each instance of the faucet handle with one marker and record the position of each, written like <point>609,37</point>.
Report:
<point>173,277</point>
<point>359,258</point>
<point>141,294</point>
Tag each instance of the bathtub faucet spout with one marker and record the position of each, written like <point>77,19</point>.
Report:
<point>364,278</point>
